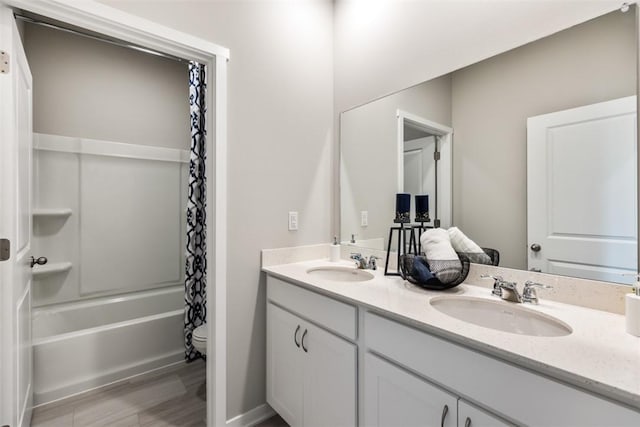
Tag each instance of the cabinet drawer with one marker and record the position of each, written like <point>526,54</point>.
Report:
<point>334,315</point>
<point>515,393</point>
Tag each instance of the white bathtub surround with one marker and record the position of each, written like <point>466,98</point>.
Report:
<point>92,196</point>
<point>608,362</point>
<point>80,187</point>
<point>82,345</point>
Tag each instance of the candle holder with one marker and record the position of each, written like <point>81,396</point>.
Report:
<point>402,231</point>
<point>402,218</point>
<point>423,217</point>
<point>403,207</point>
<point>422,208</point>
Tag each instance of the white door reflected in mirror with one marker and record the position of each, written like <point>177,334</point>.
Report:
<point>583,160</point>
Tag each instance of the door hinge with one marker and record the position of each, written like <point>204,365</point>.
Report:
<point>5,250</point>
<point>436,155</point>
<point>4,62</point>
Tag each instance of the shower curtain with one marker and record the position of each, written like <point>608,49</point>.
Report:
<point>195,295</point>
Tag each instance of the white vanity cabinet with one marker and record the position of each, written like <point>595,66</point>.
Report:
<point>320,368</point>
<point>470,416</point>
<point>394,396</point>
<point>284,364</point>
<point>512,393</point>
<point>311,372</point>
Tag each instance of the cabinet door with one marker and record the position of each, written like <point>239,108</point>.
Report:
<point>284,364</point>
<point>330,378</point>
<point>395,397</point>
<point>470,416</point>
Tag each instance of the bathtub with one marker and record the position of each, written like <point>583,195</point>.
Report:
<point>82,345</point>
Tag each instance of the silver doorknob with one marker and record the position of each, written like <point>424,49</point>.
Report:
<point>536,247</point>
<point>40,261</point>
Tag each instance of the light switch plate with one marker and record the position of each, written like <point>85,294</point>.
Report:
<point>293,221</point>
<point>364,218</point>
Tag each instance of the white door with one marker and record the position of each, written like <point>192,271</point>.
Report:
<point>15,226</point>
<point>581,191</point>
<point>419,169</point>
<point>470,416</point>
<point>395,397</point>
<point>329,379</point>
<point>285,364</point>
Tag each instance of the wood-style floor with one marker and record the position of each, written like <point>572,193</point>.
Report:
<point>275,421</point>
<point>172,397</point>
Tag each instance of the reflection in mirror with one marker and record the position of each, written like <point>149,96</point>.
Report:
<point>542,164</point>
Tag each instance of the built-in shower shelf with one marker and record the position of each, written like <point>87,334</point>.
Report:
<point>53,268</point>
<point>51,213</point>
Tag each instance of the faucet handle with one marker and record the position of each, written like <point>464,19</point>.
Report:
<point>497,290</point>
<point>356,255</point>
<point>529,285</point>
<point>529,293</point>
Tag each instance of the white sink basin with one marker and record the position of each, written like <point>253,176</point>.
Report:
<point>340,274</point>
<point>501,315</point>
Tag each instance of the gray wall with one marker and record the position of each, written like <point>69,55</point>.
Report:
<point>387,46</point>
<point>369,147</point>
<point>91,89</point>
<point>280,146</point>
<point>589,63</point>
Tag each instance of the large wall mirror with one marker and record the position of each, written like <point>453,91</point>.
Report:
<point>537,151</point>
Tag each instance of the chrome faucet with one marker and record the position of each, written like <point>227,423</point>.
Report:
<point>362,263</point>
<point>508,291</point>
<point>529,293</point>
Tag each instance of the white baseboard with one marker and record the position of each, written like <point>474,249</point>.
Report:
<point>252,417</point>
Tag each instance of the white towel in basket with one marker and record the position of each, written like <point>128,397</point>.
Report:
<point>441,257</point>
<point>461,243</point>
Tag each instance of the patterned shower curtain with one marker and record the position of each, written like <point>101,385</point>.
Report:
<point>195,296</point>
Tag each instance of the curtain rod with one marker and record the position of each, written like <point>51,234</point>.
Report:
<point>101,39</point>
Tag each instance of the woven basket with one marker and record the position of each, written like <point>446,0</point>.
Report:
<point>406,265</point>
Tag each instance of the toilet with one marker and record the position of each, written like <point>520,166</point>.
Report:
<point>199,338</point>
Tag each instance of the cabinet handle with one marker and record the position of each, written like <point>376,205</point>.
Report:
<point>304,334</point>
<point>295,337</point>
<point>445,411</point>
<point>467,422</point>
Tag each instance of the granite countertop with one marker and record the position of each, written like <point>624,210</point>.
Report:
<point>598,355</point>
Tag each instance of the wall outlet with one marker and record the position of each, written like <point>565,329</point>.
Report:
<point>293,221</point>
<point>364,218</point>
